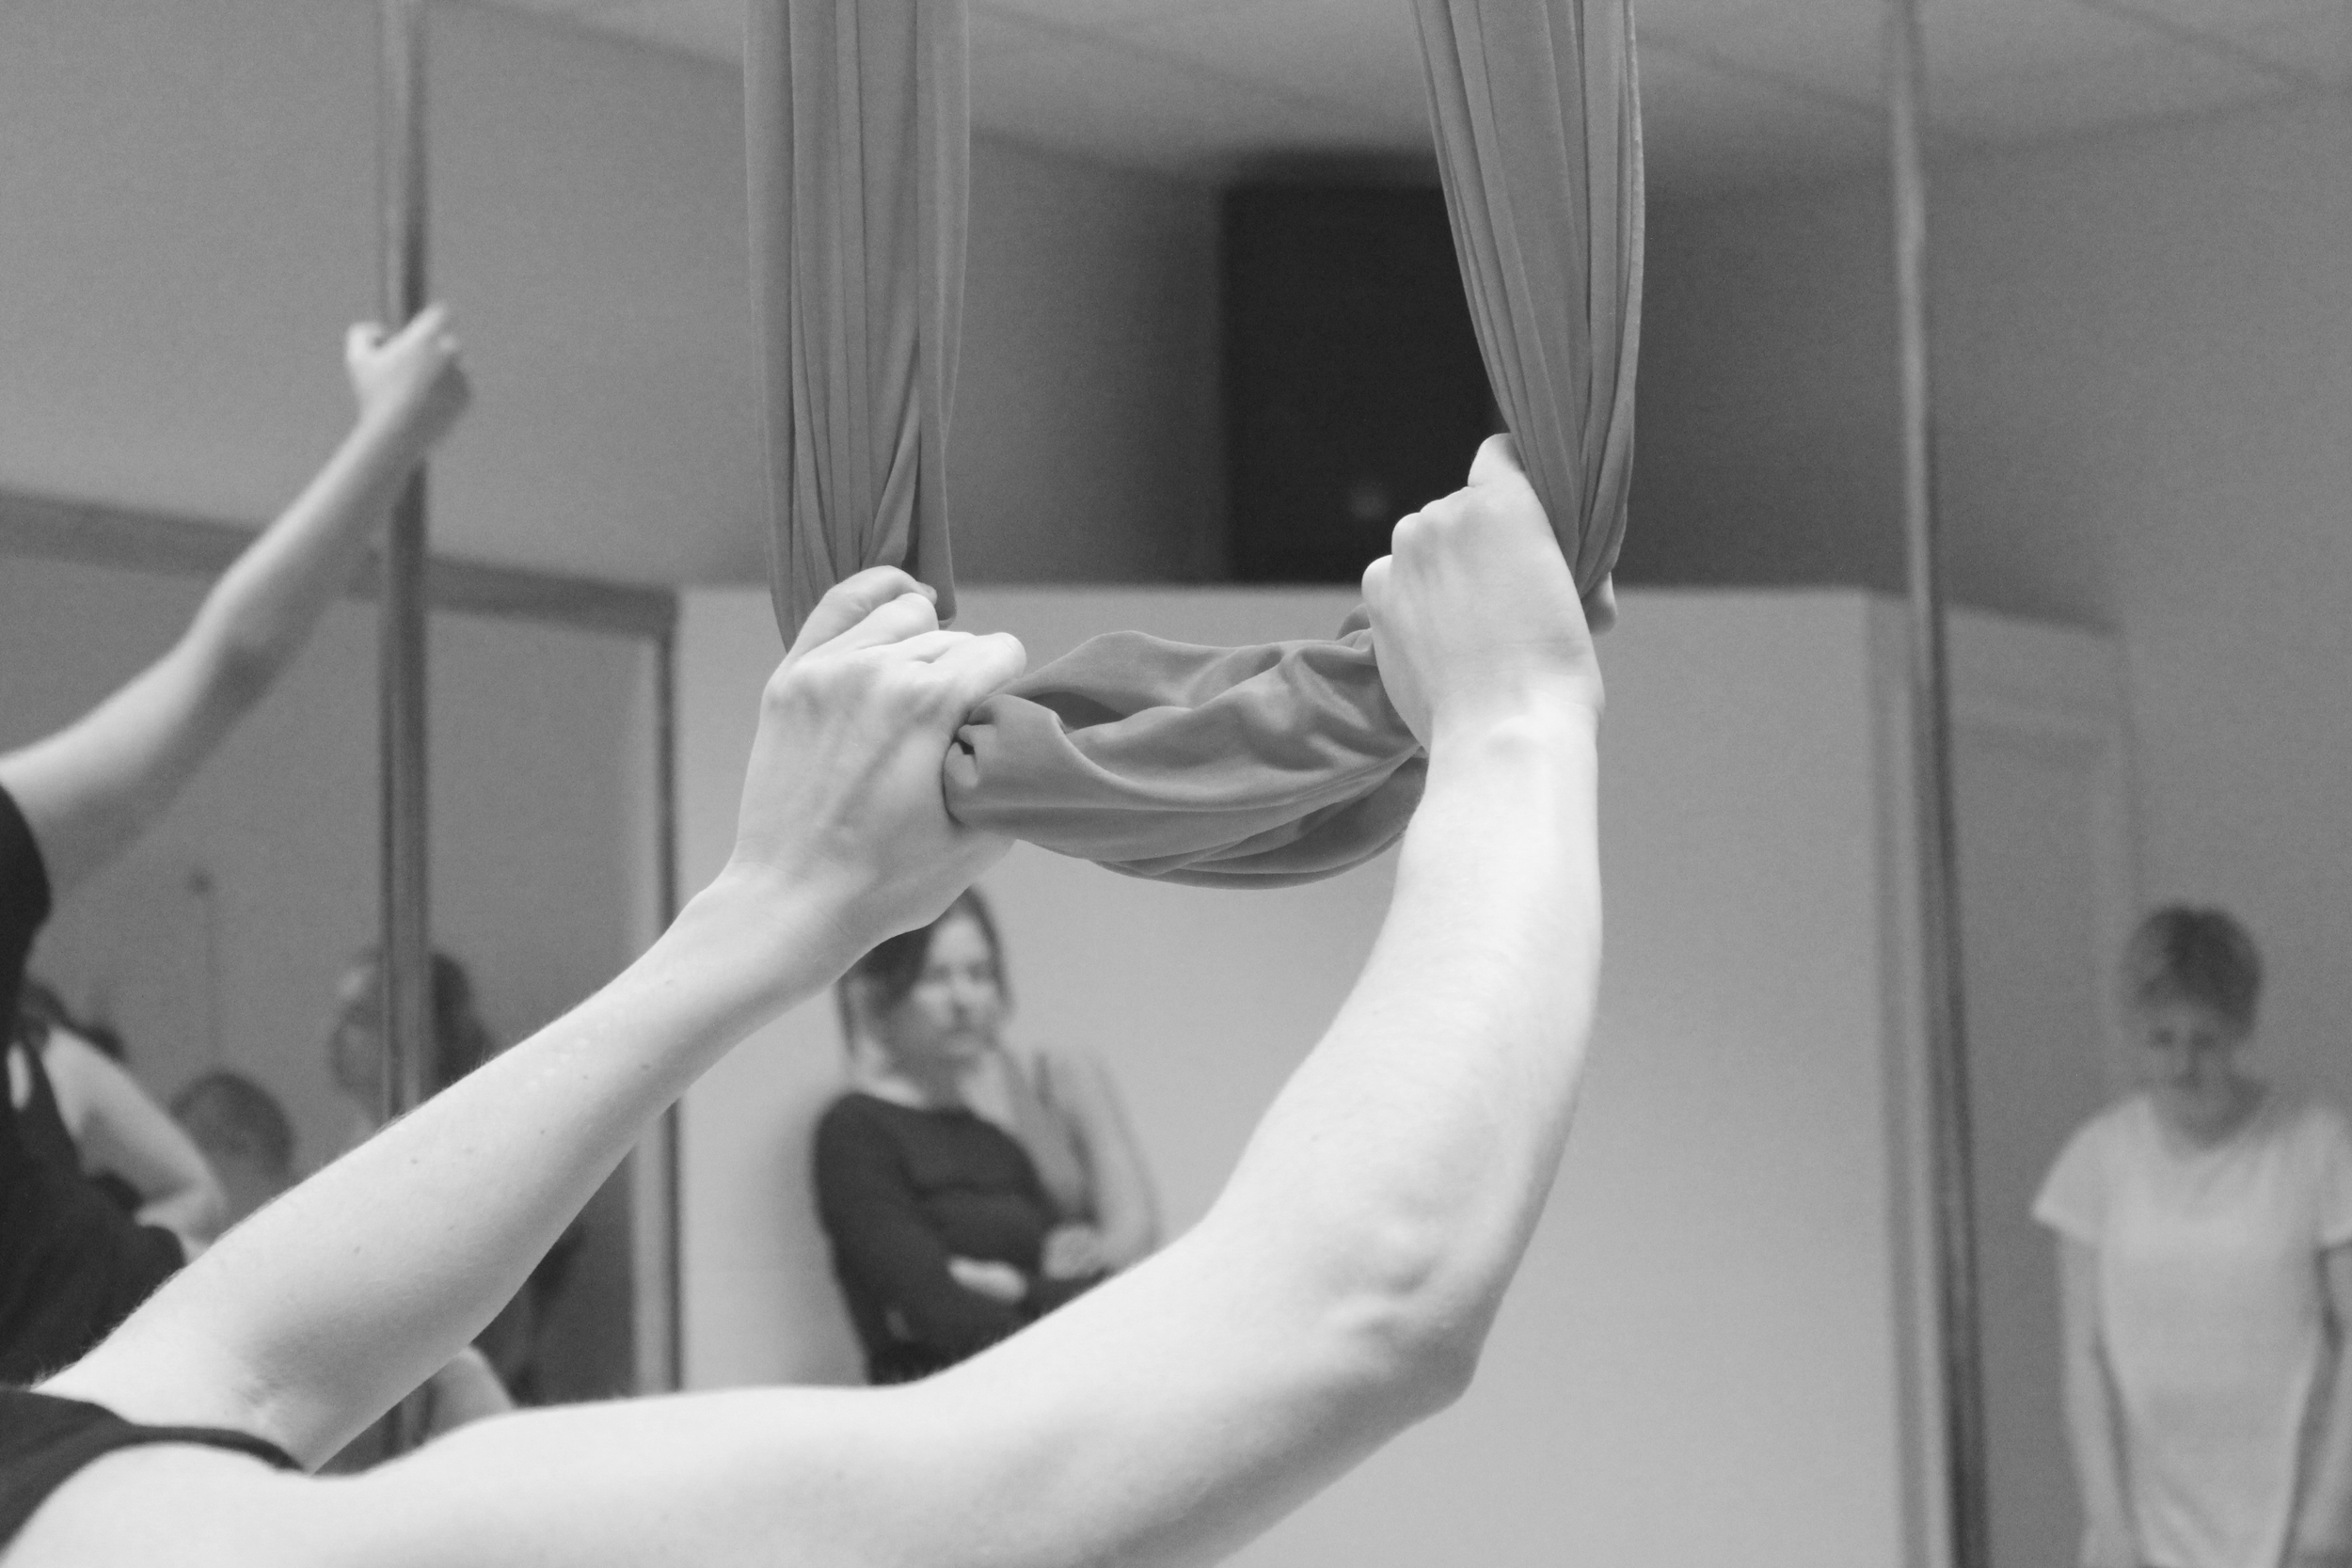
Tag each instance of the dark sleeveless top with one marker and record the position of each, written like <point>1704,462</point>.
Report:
<point>45,1441</point>
<point>72,1264</point>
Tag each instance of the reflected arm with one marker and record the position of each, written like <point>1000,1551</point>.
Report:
<point>92,787</point>
<point>120,1130</point>
<point>2323,1522</point>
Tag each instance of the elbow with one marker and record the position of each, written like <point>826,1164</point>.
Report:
<point>243,665</point>
<point>1409,1323</point>
<point>235,652</point>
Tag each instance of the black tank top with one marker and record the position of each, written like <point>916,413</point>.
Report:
<point>45,1441</point>
<point>72,1265</point>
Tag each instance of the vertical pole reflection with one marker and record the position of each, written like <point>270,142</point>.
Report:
<point>406,928</point>
<point>1938,836</point>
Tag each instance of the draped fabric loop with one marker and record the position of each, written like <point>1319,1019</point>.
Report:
<point>1243,767</point>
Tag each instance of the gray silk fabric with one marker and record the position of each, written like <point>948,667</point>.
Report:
<point>1240,767</point>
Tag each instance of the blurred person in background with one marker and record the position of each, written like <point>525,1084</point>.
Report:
<point>245,1137</point>
<point>2204,1226</point>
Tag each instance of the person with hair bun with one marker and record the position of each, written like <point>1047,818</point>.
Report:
<point>2204,1226</point>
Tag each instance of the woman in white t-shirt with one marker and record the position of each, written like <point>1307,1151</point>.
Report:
<point>2205,1244</point>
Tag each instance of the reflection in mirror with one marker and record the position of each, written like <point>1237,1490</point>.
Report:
<point>224,950</point>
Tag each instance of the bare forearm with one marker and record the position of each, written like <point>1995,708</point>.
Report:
<point>264,608</point>
<point>2096,1443</point>
<point>92,788</point>
<point>121,1130</point>
<point>358,1284</point>
<point>2324,1515</point>
<point>194,1214</point>
<point>1451,1071</point>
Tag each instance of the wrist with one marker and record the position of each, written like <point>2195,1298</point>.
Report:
<point>1561,710</point>
<point>788,936</point>
<point>396,425</point>
<point>1515,733</point>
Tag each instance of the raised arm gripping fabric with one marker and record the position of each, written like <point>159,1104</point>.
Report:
<point>1242,767</point>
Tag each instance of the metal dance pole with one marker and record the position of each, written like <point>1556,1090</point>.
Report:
<point>407,941</point>
<point>1939,890</point>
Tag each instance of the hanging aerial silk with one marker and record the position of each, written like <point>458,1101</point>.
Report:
<point>1239,767</point>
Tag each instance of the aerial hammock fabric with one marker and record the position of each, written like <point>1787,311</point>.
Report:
<point>1234,766</point>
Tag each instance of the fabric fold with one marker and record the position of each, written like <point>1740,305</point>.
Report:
<point>1254,766</point>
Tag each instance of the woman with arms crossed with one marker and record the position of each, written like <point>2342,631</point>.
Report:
<point>1338,1290</point>
<point>966,1186</point>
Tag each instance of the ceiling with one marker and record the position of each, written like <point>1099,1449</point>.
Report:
<point>1736,92</point>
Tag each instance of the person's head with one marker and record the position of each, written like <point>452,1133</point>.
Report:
<point>2191,980</point>
<point>245,1133</point>
<point>933,999</point>
<point>461,1042</point>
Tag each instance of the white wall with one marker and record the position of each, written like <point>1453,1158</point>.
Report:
<point>1703,1361</point>
<point>190,192</point>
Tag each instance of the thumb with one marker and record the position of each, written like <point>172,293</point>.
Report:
<point>1497,458</point>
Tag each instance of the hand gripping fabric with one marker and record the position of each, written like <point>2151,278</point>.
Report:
<point>1238,766</point>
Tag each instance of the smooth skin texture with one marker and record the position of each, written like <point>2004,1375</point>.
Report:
<point>90,790</point>
<point>1337,1291</point>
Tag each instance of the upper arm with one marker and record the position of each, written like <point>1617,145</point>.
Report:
<point>118,1127</point>
<point>91,788</point>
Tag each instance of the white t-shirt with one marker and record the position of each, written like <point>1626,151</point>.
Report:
<point>2211,1312</point>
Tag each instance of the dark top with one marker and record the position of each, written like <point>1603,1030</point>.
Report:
<point>901,1190</point>
<point>45,1441</point>
<point>24,904</point>
<point>73,1265</point>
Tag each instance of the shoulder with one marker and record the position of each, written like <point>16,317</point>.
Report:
<point>2075,1195</point>
<point>859,1129</point>
<point>856,1108</point>
<point>2308,1122</point>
